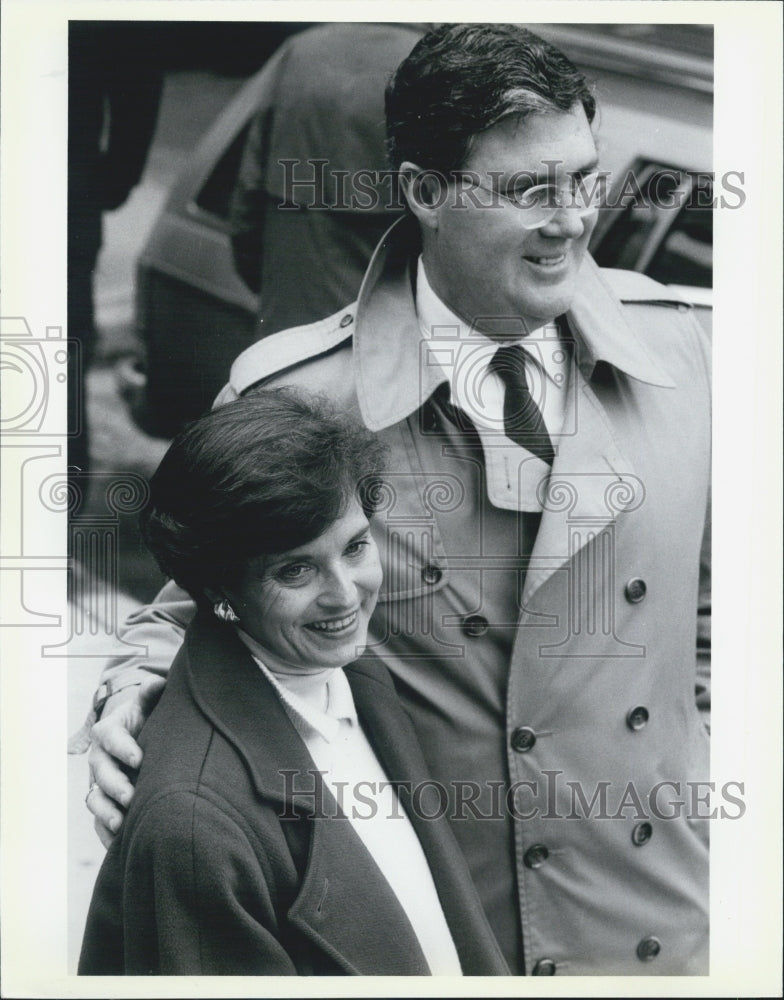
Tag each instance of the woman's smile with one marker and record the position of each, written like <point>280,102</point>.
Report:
<point>334,626</point>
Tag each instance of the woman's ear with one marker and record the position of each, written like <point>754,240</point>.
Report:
<point>213,596</point>
<point>425,192</point>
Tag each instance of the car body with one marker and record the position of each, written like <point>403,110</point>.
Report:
<point>654,88</point>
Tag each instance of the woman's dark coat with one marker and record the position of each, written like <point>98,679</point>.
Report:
<point>209,877</point>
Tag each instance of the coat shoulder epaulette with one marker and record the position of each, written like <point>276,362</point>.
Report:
<point>631,286</point>
<point>279,352</point>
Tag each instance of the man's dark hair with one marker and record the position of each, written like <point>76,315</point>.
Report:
<point>264,474</point>
<point>462,78</point>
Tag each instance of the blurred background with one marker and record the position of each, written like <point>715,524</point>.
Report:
<point>163,282</point>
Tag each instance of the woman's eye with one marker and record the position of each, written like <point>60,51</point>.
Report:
<point>358,547</point>
<point>293,573</point>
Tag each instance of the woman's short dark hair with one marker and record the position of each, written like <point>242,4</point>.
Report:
<point>462,78</point>
<point>264,474</point>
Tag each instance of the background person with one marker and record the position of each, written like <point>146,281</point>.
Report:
<point>265,836</point>
<point>114,89</point>
<point>325,104</point>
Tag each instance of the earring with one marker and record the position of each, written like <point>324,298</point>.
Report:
<point>224,611</point>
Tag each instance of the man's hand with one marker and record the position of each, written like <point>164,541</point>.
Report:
<point>114,748</point>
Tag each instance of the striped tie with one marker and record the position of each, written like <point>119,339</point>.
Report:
<point>523,421</point>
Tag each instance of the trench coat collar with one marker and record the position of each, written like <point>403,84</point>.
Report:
<point>392,375</point>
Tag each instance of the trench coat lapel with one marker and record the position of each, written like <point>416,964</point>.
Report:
<point>590,483</point>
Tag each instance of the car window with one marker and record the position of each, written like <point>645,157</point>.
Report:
<point>667,233</point>
<point>215,194</point>
<point>685,256</point>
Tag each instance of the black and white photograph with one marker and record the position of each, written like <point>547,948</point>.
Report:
<point>377,399</point>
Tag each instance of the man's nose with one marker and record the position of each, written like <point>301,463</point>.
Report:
<point>567,223</point>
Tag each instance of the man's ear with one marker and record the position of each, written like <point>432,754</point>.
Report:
<point>425,192</point>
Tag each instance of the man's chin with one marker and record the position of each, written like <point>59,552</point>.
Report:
<point>551,302</point>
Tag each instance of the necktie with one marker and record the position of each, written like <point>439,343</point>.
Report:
<point>523,421</point>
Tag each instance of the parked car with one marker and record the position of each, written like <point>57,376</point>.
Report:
<point>654,85</point>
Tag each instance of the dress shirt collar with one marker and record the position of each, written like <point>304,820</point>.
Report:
<point>392,375</point>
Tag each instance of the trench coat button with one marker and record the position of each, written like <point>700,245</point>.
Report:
<point>535,856</point>
<point>523,739</point>
<point>544,967</point>
<point>637,718</point>
<point>641,834</point>
<point>648,949</point>
<point>475,625</point>
<point>346,320</point>
<point>635,590</point>
<point>431,574</point>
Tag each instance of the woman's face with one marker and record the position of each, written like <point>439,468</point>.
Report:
<point>310,606</point>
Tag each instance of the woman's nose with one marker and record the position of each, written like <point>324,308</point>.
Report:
<point>339,589</point>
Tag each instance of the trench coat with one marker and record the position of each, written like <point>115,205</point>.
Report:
<point>555,667</point>
<point>234,858</point>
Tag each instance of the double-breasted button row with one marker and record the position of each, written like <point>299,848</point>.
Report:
<point>474,625</point>
<point>523,738</point>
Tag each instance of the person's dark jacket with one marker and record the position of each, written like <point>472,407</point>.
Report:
<point>208,878</point>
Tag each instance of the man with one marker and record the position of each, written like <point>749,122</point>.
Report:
<point>548,434</point>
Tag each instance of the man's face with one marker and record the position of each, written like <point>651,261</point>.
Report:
<point>480,259</point>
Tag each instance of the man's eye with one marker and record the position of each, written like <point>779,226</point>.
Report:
<point>518,193</point>
<point>530,196</point>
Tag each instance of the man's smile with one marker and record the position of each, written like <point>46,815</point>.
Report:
<point>552,260</point>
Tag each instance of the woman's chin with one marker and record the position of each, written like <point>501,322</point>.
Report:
<point>337,650</point>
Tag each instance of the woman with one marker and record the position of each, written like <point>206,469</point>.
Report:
<point>265,836</point>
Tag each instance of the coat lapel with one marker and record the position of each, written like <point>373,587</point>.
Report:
<point>590,483</point>
<point>240,702</point>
